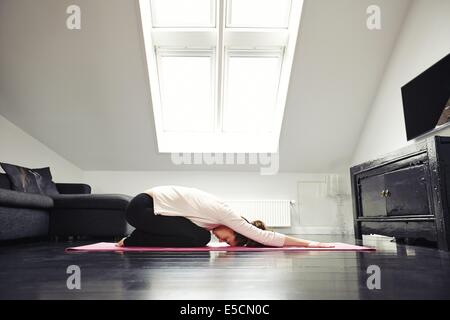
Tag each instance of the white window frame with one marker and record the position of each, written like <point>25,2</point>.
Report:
<point>212,24</point>
<point>229,4</point>
<point>221,38</point>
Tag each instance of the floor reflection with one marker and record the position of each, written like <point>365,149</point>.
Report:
<point>38,271</point>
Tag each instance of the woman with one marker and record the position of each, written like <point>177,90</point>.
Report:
<point>173,216</point>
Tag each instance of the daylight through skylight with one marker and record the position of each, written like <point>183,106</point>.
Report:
<point>219,71</point>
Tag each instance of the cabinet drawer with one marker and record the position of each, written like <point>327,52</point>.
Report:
<point>425,230</point>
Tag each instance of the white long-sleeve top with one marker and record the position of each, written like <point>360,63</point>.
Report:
<point>207,211</point>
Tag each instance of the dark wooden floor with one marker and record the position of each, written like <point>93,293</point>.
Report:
<point>38,271</point>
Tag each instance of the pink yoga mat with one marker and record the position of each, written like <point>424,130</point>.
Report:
<point>109,246</point>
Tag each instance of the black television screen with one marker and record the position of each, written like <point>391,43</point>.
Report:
<point>426,100</point>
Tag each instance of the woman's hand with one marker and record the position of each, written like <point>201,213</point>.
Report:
<point>295,242</point>
<point>120,243</point>
<point>320,245</point>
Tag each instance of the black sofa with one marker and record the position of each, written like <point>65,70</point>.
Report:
<point>74,212</point>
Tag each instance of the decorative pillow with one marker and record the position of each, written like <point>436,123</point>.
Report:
<point>30,180</point>
<point>4,182</point>
<point>45,182</point>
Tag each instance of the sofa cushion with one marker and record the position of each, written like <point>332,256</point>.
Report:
<point>16,199</point>
<point>85,222</point>
<point>18,223</point>
<point>30,180</point>
<point>91,201</point>
<point>4,182</point>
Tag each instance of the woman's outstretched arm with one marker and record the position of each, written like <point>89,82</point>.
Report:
<point>295,242</point>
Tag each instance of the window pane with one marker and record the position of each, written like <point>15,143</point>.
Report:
<point>250,93</point>
<point>187,97</point>
<point>183,13</point>
<point>258,13</point>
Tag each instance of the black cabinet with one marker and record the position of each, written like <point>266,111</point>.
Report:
<point>404,194</point>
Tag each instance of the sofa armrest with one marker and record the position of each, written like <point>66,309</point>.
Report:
<point>73,188</point>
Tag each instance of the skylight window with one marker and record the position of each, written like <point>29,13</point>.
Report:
<point>219,71</point>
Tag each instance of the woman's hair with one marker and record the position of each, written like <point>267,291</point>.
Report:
<point>242,241</point>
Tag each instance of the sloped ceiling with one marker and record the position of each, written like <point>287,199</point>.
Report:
<point>85,93</point>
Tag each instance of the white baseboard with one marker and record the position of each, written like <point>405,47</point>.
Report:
<point>320,230</point>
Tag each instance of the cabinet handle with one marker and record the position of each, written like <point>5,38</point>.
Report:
<point>387,193</point>
<point>383,193</point>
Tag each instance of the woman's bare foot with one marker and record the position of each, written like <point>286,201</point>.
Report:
<point>120,243</point>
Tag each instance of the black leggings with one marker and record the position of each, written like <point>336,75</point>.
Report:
<point>161,231</point>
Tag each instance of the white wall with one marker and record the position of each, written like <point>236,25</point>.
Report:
<point>18,147</point>
<point>424,40</point>
<point>314,213</point>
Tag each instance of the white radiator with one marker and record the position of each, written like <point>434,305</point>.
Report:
<point>274,213</point>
